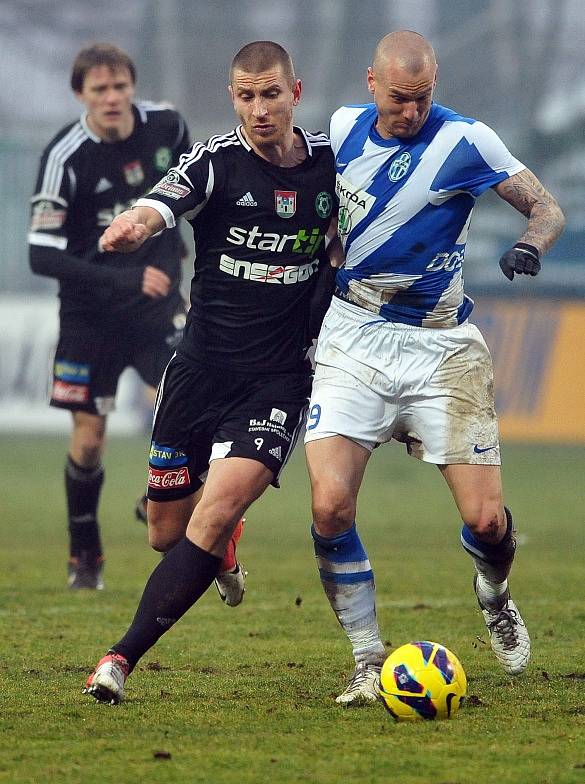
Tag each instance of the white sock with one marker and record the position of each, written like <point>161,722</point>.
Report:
<point>354,606</point>
<point>488,590</point>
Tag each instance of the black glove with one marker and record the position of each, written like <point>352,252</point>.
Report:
<point>522,258</point>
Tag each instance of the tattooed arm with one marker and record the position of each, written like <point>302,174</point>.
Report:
<point>545,218</point>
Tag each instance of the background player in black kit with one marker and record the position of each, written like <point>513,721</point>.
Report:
<point>260,201</point>
<point>116,310</point>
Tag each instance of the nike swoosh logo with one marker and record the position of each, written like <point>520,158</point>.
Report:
<point>341,166</point>
<point>478,449</point>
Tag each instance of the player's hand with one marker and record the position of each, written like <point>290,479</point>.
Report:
<point>124,235</point>
<point>522,258</point>
<point>155,283</point>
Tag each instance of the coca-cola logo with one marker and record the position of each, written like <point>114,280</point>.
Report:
<point>169,479</point>
<point>70,393</point>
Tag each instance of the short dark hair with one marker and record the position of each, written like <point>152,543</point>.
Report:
<point>99,54</point>
<point>260,56</point>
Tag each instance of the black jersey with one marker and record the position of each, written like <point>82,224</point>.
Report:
<point>83,183</point>
<point>258,232</point>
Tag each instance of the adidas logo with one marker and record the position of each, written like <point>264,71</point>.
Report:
<point>103,185</point>
<point>276,452</point>
<point>247,200</point>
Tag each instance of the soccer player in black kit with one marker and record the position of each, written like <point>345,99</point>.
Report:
<point>116,310</point>
<point>232,400</point>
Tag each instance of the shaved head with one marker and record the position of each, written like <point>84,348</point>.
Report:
<point>402,79</point>
<point>406,50</point>
<point>263,56</point>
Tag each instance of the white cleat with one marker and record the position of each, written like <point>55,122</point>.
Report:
<point>363,687</point>
<point>106,683</point>
<point>231,586</point>
<point>508,633</point>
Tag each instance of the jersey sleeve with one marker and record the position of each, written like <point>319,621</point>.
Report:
<point>493,163</point>
<point>186,188</point>
<point>342,121</point>
<point>50,202</point>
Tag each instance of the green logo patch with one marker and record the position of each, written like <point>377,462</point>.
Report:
<point>162,158</point>
<point>324,204</point>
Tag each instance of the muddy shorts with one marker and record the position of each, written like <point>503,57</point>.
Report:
<point>431,389</point>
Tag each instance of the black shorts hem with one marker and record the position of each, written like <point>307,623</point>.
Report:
<point>87,408</point>
<point>165,496</point>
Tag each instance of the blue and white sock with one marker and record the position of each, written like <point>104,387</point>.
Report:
<point>348,581</point>
<point>492,561</point>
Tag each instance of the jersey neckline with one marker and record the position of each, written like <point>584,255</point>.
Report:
<point>138,120</point>
<point>297,129</point>
<point>375,136</point>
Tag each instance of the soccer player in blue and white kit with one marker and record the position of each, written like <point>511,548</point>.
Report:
<point>397,356</point>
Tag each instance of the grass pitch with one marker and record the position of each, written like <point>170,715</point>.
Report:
<point>246,694</point>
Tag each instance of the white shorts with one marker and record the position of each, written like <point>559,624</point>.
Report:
<point>429,388</point>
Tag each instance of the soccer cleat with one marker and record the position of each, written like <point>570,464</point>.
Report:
<point>85,571</point>
<point>508,633</point>
<point>363,687</point>
<point>231,586</point>
<point>106,683</point>
<point>140,509</point>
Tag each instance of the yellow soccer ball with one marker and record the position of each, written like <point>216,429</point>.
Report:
<point>422,680</point>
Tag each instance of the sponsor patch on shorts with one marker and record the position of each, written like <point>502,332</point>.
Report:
<point>71,371</point>
<point>165,456</point>
<point>65,392</point>
<point>168,479</point>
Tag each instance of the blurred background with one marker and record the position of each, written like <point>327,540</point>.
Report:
<point>518,67</point>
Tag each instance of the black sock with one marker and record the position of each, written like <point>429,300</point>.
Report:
<point>174,586</point>
<point>83,487</point>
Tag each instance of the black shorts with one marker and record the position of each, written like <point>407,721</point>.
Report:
<point>203,414</point>
<point>90,358</point>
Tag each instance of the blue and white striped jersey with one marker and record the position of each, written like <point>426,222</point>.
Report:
<point>404,211</point>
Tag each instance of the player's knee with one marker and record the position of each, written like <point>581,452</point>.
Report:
<point>214,520</point>
<point>487,524</point>
<point>87,444</point>
<point>160,540</point>
<point>162,533</point>
<point>156,541</point>
<point>333,514</point>
<point>90,451</point>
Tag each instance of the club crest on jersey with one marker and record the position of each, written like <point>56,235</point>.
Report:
<point>285,203</point>
<point>133,173</point>
<point>399,167</point>
<point>323,204</point>
<point>162,158</point>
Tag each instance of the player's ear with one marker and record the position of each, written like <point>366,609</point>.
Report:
<point>371,80</point>
<point>297,90</point>
<point>230,91</point>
